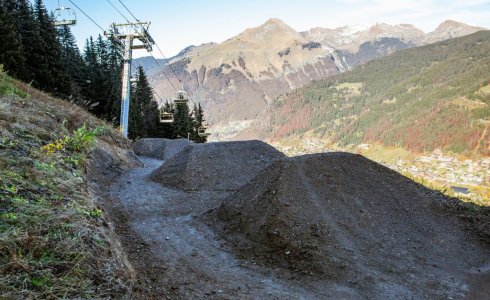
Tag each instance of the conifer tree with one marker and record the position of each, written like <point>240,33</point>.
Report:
<point>114,65</point>
<point>148,105</point>
<point>71,60</point>
<point>54,78</point>
<point>198,123</point>
<point>11,53</point>
<point>32,45</point>
<point>183,121</point>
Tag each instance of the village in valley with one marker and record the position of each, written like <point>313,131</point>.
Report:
<point>468,179</point>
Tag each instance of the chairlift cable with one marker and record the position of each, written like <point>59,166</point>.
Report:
<point>166,60</point>
<point>86,15</point>
<point>158,64</point>
<point>129,11</point>
<point>154,91</point>
<point>113,6</point>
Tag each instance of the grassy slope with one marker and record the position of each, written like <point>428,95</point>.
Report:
<point>421,98</point>
<point>54,241</point>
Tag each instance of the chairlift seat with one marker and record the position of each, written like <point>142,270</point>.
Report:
<point>64,16</point>
<point>166,117</point>
<point>201,131</point>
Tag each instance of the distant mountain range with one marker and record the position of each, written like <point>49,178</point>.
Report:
<point>237,79</point>
<point>434,96</point>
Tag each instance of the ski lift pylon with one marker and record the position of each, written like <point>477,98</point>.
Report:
<point>64,16</point>
<point>181,97</point>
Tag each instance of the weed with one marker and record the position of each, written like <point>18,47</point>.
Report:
<point>96,213</point>
<point>47,222</point>
<point>7,86</point>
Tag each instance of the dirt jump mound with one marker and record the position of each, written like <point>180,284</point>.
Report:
<point>159,148</point>
<point>365,229</point>
<point>216,166</point>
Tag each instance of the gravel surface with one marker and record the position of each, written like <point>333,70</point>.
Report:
<point>159,148</point>
<point>356,224</point>
<point>312,227</point>
<point>192,262</point>
<point>223,166</point>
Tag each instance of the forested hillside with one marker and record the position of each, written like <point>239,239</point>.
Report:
<point>47,57</point>
<point>435,96</point>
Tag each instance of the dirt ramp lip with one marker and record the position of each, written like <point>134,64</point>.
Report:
<point>344,218</point>
<point>159,148</point>
<point>224,166</point>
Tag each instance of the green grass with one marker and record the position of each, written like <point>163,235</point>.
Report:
<point>42,210</point>
<point>7,86</point>
<point>381,153</point>
<point>52,240</point>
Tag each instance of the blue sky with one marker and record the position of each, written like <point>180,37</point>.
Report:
<point>179,23</point>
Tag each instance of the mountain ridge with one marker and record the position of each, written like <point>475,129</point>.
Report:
<point>237,79</point>
<point>424,98</point>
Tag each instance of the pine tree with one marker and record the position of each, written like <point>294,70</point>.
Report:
<point>135,122</point>
<point>183,121</point>
<point>54,78</point>
<point>89,66</point>
<point>11,52</point>
<point>72,61</point>
<point>115,62</point>
<point>198,123</point>
<point>149,107</point>
<point>32,44</point>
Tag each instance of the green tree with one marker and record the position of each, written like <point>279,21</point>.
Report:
<point>72,61</point>
<point>144,112</point>
<point>198,123</point>
<point>183,121</point>
<point>53,78</point>
<point>11,52</point>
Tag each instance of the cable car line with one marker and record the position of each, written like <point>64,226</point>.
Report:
<point>127,20</point>
<point>135,27</point>
<point>165,117</point>
<point>129,11</point>
<point>166,60</point>
<point>86,15</point>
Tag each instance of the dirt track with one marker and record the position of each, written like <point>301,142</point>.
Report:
<point>193,262</point>
<point>287,235</point>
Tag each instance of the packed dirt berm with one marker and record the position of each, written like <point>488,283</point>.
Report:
<point>221,166</point>
<point>357,225</point>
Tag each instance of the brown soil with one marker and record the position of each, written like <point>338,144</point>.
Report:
<point>312,227</point>
<point>216,166</point>
<point>357,225</point>
<point>159,148</point>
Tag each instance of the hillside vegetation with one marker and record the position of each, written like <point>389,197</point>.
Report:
<point>54,240</point>
<point>435,96</point>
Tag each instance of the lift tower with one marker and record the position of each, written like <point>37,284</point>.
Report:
<point>128,33</point>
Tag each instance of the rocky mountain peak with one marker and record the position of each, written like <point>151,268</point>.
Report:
<point>450,29</point>
<point>269,30</point>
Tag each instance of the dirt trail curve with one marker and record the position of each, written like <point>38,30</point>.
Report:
<point>239,221</point>
<point>194,264</point>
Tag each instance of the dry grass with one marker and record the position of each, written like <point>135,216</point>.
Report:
<point>53,238</point>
